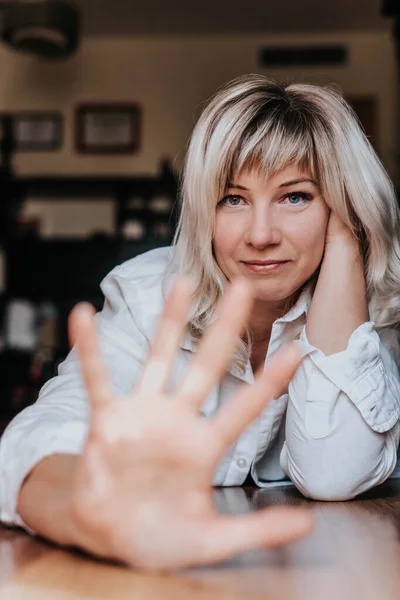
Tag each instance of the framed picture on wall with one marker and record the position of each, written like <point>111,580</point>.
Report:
<point>37,131</point>
<point>108,128</point>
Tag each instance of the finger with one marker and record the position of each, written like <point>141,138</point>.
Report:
<point>82,332</point>
<point>267,528</point>
<point>249,402</point>
<point>74,326</point>
<point>169,333</point>
<point>215,351</point>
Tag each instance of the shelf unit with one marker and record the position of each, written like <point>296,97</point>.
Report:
<point>65,271</point>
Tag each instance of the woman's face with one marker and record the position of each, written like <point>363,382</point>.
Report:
<point>271,231</point>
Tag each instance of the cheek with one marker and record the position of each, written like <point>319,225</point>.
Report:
<point>227,235</point>
<point>308,237</point>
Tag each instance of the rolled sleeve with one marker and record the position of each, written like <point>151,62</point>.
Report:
<point>342,421</point>
<point>365,372</point>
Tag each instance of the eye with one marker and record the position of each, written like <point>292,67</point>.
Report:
<point>231,200</point>
<point>296,199</point>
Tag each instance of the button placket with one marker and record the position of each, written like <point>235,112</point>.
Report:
<point>245,452</point>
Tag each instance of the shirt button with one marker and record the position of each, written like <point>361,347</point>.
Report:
<point>241,462</point>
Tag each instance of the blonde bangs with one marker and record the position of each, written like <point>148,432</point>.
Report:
<point>280,142</point>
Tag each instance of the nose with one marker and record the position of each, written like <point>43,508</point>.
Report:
<point>262,230</point>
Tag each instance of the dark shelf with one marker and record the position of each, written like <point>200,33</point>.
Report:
<point>67,271</point>
<point>94,186</point>
<point>38,269</point>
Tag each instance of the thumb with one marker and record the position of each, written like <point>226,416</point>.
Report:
<point>267,528</point>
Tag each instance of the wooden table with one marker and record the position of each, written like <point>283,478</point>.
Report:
<point>354,554</point>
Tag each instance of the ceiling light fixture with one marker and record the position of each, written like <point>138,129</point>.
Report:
<point>46,28</point>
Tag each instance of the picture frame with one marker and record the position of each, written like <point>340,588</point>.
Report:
<point>38,131</point>
<point>108,128</point>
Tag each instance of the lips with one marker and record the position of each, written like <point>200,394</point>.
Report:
<point>265,266</point>
<point>264,262</point>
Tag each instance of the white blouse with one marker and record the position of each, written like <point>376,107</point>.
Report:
<point>333,435</point>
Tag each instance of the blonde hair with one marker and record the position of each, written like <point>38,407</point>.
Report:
<point>254,122</point>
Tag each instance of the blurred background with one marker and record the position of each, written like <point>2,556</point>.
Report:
<point>97,101</point>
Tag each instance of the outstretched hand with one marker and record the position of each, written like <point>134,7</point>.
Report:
<point>143,489</point>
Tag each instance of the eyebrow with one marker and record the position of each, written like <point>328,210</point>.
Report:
<point>282,185</point>
<point>237,187</point>
<point>295,181</point>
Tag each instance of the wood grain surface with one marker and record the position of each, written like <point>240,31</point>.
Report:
<point>354,553</point>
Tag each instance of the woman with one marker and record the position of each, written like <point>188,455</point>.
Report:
<point>284,198</point>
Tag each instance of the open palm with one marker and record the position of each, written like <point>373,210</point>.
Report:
<point>143,492</point>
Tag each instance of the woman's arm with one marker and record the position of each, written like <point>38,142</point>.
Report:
<point>58,422</point>
<point>339,304</point>
<point>140,492</point>
<point>342,429</point>
<point>50,485</point>
<point>46,503</point>
<point>342,421</point>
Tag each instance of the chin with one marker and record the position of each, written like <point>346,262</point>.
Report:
<point>273,296</point>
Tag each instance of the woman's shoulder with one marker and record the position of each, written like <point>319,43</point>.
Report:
<point>150,264</point>
<point>138,284</point>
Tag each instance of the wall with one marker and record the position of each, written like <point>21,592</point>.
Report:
<point>170,77</point>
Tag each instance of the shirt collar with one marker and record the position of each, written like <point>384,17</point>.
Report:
<point>298,310</point>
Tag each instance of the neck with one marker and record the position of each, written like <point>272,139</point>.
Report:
<point>263,317</point>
